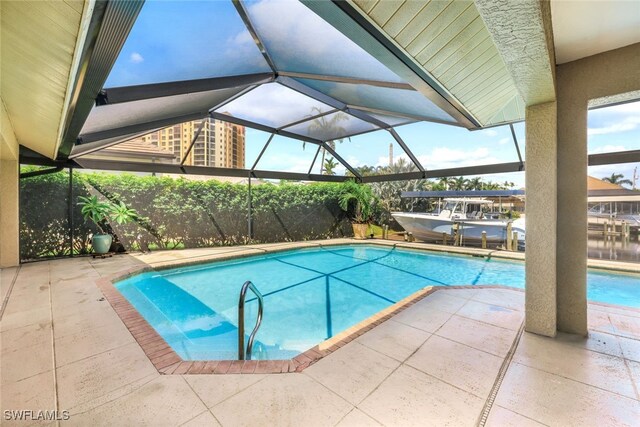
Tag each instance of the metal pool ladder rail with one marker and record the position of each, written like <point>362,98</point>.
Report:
<point>243,292</point>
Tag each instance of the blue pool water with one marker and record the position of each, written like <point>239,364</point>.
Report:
<point>313,294</point>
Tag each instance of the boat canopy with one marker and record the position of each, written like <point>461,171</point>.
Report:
<point>468,200</point>
<point>467,193</point>
<point>610,199</point>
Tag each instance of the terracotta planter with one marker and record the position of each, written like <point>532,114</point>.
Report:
<point>101,243</point>
<point>360,231</point>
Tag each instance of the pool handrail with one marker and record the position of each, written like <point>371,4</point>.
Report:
<point>243,292</point>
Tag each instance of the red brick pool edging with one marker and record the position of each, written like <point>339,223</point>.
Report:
<point>168,362</point>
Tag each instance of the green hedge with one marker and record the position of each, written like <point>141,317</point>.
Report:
<point>176,213</point>
<point>44,216</point>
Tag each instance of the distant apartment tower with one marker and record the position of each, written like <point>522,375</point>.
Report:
<point>219,144</point>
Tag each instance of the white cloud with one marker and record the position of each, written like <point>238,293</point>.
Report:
<point>615,119</point>
<point>516,177</point>
<point>352,160</point>
<point>298,37</point>
<point>504,141</point>
<point>601,171</point>
<point>608,149</point>
<point>242,38</point>
<point>286,163</point>
<point>384,160</point>
<point>625,125</point>
<point>628,108</point>
<point>445,158</point>
<point>241,51</point>
<point>136,58</point>
<point>490,132</point>
<point>273,105</point>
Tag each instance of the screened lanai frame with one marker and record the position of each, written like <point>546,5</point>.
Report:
<point>119,116</point>
<point>98,117</point>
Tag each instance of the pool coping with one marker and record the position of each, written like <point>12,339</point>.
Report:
<point>167,361</point>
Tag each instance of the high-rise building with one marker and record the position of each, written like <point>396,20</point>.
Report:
<point>229,147</point>
<point>219,144</point>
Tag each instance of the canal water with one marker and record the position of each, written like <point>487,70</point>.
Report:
<point>614,248</point>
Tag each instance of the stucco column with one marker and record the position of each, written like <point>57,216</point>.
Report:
<point>572,204</point>
<point>9,205</point>
<point>541,218</point>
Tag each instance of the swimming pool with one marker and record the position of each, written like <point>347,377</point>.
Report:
<point>313,294</point>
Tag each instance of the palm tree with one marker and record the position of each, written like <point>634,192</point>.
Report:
<point>446,183</point>
<point>474,183</point>
<point>363,170</point>
<point>460,183</point>
<point>329,123</point>
<point>616,178</point>
<point>402,165</point>
<point>389,192</point>
<point>329,166</point>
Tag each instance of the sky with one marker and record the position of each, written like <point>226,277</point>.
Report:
<point>182,31</point>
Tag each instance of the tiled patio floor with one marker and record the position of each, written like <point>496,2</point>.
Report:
<point>436,363</point>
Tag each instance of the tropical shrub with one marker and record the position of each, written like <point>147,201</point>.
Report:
<point>357,200</point>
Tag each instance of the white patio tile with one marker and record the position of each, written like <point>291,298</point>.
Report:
<point>412,398</point>
<point>428,319</point>
<point>459,365</point>
<point>213,389</point>
<point>90,378</point>
<point>394,339</point>
<point>501,417</point>
<point>285,400</point>
<point>357,418</point>
<point>492,314</point>
<point>205,419</point>
<point>479,335</point>
<point>589,367</point>
<point>352,372</point>
<point>558,401</point>
<point>168,400</point>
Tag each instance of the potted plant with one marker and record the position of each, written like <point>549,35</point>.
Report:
<point>100,213</point>
<point>362,199</point>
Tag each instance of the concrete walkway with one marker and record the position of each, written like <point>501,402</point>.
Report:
<point>438,362</point>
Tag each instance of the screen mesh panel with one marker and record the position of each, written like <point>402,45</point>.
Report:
<point>381,98</point>
<point>274,105</point>
<point>173,41</point>
<point>145,114</point>
<point>332,126</point>
<point>300,41</point>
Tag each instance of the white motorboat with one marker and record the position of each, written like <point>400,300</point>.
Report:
<point>470,216</point>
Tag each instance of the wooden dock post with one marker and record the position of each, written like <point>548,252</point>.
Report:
<point>456,233</point>
<point>508,237</point>
<point>484,240</point>
<point>444,238</point>
<point>514,243</point>
<point>626,230</point>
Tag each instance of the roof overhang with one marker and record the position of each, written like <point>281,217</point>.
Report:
<point>41,42</point>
